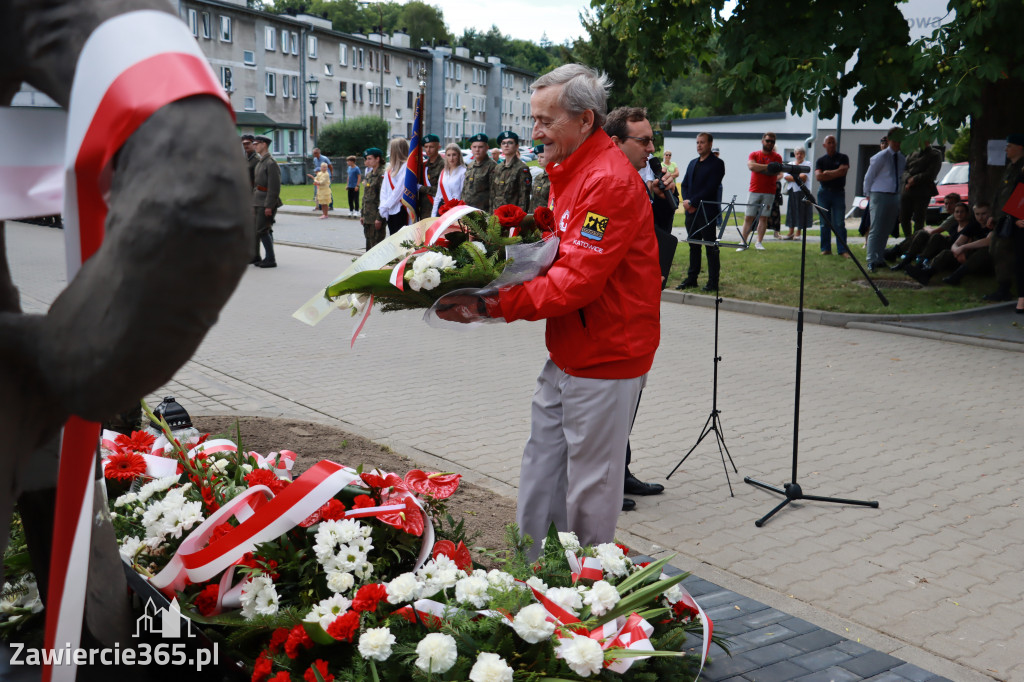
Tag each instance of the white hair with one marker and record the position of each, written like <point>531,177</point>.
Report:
<point>584,89</point>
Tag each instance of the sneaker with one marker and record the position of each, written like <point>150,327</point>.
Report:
<point>742,248</point>
<point>759,246</point>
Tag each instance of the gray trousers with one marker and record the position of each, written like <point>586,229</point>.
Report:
<point>574,462</point>
<point>884,207</point>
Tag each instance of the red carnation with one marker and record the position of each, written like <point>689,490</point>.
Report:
<point>220,531</point>
<point>267,478</point>
<point>369,596</point>
<point>321,666</point>
<point>206,601</point>
<point>509,215</point>
<point>344,627</point>
<point>683,610</point>
<point>278,639</point>
<point>334,510</point>
<point>281,677</point>
<point>296,638</point>
<point>544,219</point>
<point>139,441</point>
<point>363,502</point>
<point>436,484</point>
<point>262,668</point>
<point>124,466</point>
<point>449,205</point>
<point>625,550</point>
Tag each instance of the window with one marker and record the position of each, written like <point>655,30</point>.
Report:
<point>473,105</point>
<point>295,43</point>
<point>458,101</point>
<point>295,87</point>
<point>311,46</point>
<point>359,93</point>
<point>387,63</point>
<point>225,78</point>
<point>447,69</point>
<point>284,42</point>
<point>193,22</point>
<point>250,104</point>
<point>205,21</point>
<point>292,142</point>
<point>387,97</point>
<point>343,55</point>
<point>225,29</point>
<point>458,72</point>
<point>342,88</point>
<point>398,113</point>
<point>474,74</point>
<point>328,70</point>
<point>408,69</point>
<point>361,62</point>
<point>271,85</point>
<point>328,107</point>
<point>249,57</point>
<point>284,86</point>
<point>398,81</point>
<point>408,99</point>
<point>269,35</point>
<point>276,148</point>
<point>483,78</point>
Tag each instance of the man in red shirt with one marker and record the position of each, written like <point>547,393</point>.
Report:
<point>601,300</point>
<point>762,190</point>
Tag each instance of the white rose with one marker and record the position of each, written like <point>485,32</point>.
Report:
<point>436,653</point>
<point>376,643</point>
<point>532,625</point>
<point>566,597</point>
<point>601,597</point>
<point>472,590</point>
<point>490,668</point>
<point>404,588</point>
<point>582,654</point>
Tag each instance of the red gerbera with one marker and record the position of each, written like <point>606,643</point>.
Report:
<point>435,484</point>
<point>206,601</point>
<point>544,219</point>
<point>509,215</point>
<point>460,555</point>
<point>124,466</point>
<point>369,596</point>
<point>321,665</point>
<point>139,441</point>
<point>296,638</point>
<point>344,627</point>
<point>449,205</point>
<point>267,478</point>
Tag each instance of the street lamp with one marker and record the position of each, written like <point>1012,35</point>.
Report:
<point>464,135</point>
<point>369,92</point>
<point>344,98</point>
<point>312,87</point>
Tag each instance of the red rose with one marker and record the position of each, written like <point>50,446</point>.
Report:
<point>262,668</point>
<point>124,466</point>
<point>509,215</point>
<point>206,601</point>
<point>296,638</point>
<point>449,205</point>
<point>344,627</point>
<point>278,639</point>
<point>369,596</point>
<point>321,666</point>
<point>544,219</point>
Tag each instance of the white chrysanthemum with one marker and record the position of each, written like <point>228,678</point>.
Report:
<point>158,486</point>
<point>342,545</point>
<point>490,667</point>
<point>130,547</point>
<point>582,654</point>
<point>438,574</point>
<point>127,498</point>
<point>436,653</point>
<point>364,572</point>
<point>501,580</point>
<point>472,590</point>
<point>172,515</point>
<point>569,541</point>
<point>601,597</point>
<point>404,588</point>
<point>259,596</point>
<point>613,561</point>
<point>537,584</point>
<point>532,625</point>
<point>566,597</point>
<point>339,582</point>
<point>376,644</point>
<point>328,610</point>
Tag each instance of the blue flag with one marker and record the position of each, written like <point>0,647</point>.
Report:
<point>414,166</point>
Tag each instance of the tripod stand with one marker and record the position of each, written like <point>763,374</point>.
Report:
<point>792,490</point>
<point>714,422</point>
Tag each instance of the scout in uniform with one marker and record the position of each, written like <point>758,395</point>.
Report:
<point>266,198</point>
<point>542,183</point>
<point>373,226</point>
<point>511,181</point>
<point>477,189</point>
<point>432,172</point>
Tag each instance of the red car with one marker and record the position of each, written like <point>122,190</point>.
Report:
<point>955,180</point>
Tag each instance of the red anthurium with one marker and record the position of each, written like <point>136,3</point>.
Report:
<point>139,441</point>
<point>410,519</point>
<point>386,481</point>
<point>438,485</point>
<point>460,555</point>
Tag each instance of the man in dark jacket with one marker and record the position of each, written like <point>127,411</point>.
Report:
<point>266,198</point>
<point>701,181</point>
<point>918,187</point>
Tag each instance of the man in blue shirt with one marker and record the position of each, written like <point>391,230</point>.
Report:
<point>882,184</point>
<point>701,183</point>
<point>830,171</point>
<point>353,186</point>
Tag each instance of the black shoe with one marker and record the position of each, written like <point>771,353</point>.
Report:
<point>255,261</point>
<point>686,284</point>
<point>997,296</point>
<point>921,274</point>
<point>892,253</point>
<point>628,504</point>
<point>902,265</point>
<point>265,264</point>
<point>634,486</point>
<point>710,287</point>
<point>873,268</point>
<point>957,275</point>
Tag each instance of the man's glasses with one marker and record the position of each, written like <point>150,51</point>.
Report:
<point>769,139</point>
<point>644,141</point>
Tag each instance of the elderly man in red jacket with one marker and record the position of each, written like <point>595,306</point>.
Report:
<point>601,301</point>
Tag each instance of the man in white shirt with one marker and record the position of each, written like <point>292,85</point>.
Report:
<point>882,185</point>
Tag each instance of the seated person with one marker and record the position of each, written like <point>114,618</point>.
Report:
<point>914,246</point>
<point>969,253</point>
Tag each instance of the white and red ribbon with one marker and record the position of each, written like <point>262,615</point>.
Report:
<point>708,626</point>
<point>588,569</point>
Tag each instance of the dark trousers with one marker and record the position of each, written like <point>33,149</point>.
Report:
<point>373,235</point>
<point>353,198</point>
<point>705,232</point>
<point>913,207</point>
<point>978,262</point>
<point>264,234</point>
<point>1018,254</point>
<point>397,221</point>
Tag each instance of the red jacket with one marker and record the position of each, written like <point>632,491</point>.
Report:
<point>602,296</point>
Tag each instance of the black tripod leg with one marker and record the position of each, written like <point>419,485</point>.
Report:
<point>703,435</point>
<point>721,439</point>
<point>761,521</point>
<point>721,453</point>
<point>759,484</point>
<point>839,500</point>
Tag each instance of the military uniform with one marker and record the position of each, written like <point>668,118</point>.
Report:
<point>540,192</point>
<point>425,200</point>
<point>510,184</point>
<point>254,159</point>
<point>266,193</point>
<point>371,203</point>
<point>477,188</point>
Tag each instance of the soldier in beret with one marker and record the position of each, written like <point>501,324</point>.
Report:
<point>431,172</point>
<point>541,184</point>
<point>266,198</point>
<point>373,226</point>
<point>512,180</point>
<point>251,156</point>
<point>477,189</point>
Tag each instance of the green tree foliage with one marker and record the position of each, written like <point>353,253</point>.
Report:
<point>353,136</point>
<point>513,51</point>
<point>961,146</point>
<point>423,22</point>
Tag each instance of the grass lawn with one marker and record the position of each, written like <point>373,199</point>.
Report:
<point>302,195</point>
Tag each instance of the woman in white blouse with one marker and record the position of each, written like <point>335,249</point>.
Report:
<point>449,183</point>
<point>391,208</point>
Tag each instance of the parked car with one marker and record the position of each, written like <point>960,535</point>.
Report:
<point>955,180</point>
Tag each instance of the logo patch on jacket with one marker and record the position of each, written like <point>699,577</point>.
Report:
<point>594,226</point>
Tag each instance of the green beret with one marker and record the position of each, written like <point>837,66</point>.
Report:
<point>373,151</point>
<point>1015,138</point>
<point>479,137</point>
<point>507,135</point>
<point>539,149</point>
<point>431,137</point>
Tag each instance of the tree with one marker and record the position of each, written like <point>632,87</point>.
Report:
<point>424,24</point>
<point>353,137</point>
<point>971,68</point>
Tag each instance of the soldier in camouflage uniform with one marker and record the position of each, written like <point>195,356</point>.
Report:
<point>512,180</point>
<point>432,171</point>
<point>266,199</point>
<point>477,189</point>
<point>373,226</point>
<point>542,183</point>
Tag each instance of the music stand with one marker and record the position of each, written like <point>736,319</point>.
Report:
<point>792,490</point>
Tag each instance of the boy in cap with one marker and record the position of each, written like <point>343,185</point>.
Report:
<point>511,181</point>
<point>431,172</point>
<point>477,189</point>
<point>542,183</point>
<point>373,226</point>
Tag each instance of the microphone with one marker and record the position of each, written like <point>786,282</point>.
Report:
<point>774,168</point>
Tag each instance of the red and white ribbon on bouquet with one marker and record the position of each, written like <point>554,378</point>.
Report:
<point>708,626</point>
<point>438,227</point>
<point>588,569</point>
<point>130,66</point>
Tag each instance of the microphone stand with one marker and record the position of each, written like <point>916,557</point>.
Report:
<point>792,490</point>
